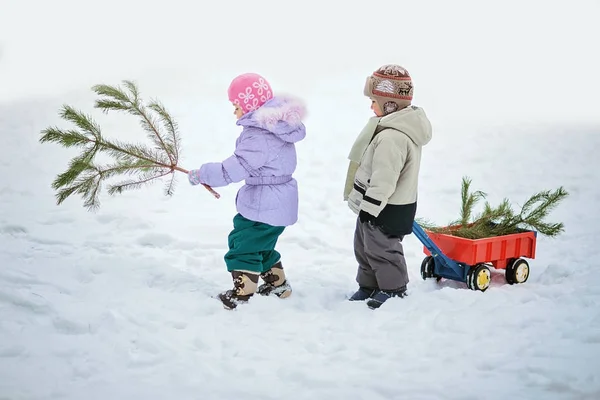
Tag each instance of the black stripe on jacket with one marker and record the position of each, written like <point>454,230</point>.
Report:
<point>394,219</point>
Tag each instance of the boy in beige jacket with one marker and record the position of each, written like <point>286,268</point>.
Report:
<point>382,184</point>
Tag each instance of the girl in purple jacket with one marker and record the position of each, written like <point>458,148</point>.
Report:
<point>265,158</point>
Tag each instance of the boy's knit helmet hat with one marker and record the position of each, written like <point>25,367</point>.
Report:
<point>391,87</point>
<point>249,91</point>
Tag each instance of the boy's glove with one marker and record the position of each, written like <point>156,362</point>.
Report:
<point>364,216</point>
<point>194,177</point>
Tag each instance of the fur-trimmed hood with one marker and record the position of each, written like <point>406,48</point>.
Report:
<point>282,116</point>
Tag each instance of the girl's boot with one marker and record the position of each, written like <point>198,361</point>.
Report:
<point>275,282</point>
<point>244,286</point>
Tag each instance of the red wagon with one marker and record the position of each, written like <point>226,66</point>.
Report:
<point>469,260</point>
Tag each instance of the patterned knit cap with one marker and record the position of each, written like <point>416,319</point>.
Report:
<point>249,91</point>
<point>391,87</point>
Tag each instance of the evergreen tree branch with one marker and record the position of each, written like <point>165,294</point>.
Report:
<point>468,201</point>
<point>171,126</point>
<point>502,220</point>
<point>85,178</point>
<point>65,138</point>
<point>81,120</point>
<point>130,152</point>
<point>121,101</point>
<point>135,184</point>
<point>170,187</point>
<point>77,166</point>
<point>87,184</point>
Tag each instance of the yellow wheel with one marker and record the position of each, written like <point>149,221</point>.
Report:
<point>517,271</point>
<point>479,278</point>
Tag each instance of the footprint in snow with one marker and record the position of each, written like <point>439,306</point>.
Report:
<point>179,325</point>
<point>145,354</point>
<point>68,327</point>
<point>50,242</point>
<point>19,277</point>
<point>85,275</point>
<point>14,230</point>
<point>28,301</point>
<point>155,240</point>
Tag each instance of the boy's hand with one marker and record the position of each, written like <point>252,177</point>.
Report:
<point>364,216</point>
<point>194,177</point>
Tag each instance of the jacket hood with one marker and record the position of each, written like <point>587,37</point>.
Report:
<point>412,121</point>
<point>282,116</point>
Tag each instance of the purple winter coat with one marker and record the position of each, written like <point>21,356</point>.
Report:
<point>265,157</point>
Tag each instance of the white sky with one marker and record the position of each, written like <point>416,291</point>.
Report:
<point>469,59</point>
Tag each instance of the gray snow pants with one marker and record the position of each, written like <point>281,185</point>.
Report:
<point>381,262</point>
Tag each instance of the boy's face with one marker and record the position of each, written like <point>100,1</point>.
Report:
<point>375,108</point>
<point>237,111</point>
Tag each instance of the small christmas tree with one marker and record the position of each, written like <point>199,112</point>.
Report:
<point>501,220</point>
<point>143,164</point>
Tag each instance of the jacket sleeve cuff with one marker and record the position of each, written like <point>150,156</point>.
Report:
<point>371,205</point>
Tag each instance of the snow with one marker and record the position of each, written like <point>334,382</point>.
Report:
<point>117,303</point>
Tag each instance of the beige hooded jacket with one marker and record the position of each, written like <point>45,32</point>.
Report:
<point>385,181</point>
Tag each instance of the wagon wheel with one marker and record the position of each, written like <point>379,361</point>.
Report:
<point>479,277</point>
<point>427,267</point>
<point>509,272</point>
<point>517,271</point>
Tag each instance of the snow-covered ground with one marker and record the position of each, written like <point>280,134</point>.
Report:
<point>118,303</point>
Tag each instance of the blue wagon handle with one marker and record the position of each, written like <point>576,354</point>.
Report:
<point>438,265</point>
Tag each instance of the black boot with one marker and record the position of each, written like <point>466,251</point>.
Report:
<point>244,286</point>
<point>275,282</point>
<point>362,294</point>
<point>383,295</point>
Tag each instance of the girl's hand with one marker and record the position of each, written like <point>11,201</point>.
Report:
<point>194,177</point>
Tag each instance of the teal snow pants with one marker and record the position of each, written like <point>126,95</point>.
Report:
<point>252,246</point>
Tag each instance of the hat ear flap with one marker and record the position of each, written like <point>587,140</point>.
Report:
<point>390,107</point>
<point>368,90</point>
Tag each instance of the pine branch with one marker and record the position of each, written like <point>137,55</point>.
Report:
<point>502,220</point>
<point>76,166</point>
<point>87,185</point>
<point>170,187</point>
<point>426,224</point>
<point>81,120</point>
<point>547,202</point>
<point>136,183</point>
<point>129,152</point>
<point>65,138</point>
<point>172,128</point>
<point>124,151</point>
<point>117,100</point>
<point>146,164</point>
<point>468,200</point>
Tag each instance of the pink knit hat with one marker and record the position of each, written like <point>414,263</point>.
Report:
<point>250,91</point>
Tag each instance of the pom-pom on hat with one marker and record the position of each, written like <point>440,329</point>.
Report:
<point>250,91</point>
